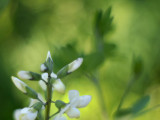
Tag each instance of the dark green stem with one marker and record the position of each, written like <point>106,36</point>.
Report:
<point>49,96</point>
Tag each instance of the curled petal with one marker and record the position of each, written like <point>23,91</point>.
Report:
<point>73,94</point>
<point>83,101</point>
<point>45,76</point>
<point>43,85</point>
<point>59,86</point>
<point>19,84</point>
<point>73,113</point>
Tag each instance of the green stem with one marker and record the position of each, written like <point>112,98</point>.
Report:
<point>100,95</point>
<point>127,90</point>
<point>49,96</point>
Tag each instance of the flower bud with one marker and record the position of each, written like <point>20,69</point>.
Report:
<point>19,84</point>
<point>59,86</point>
<point>31,93</point>
<point>43,68</point>
<point>75,65</point>
<point>59,104</point>
<point>37,106</point>
<point>49,63</point>
<point>27,75</point>
<point>69,68</point>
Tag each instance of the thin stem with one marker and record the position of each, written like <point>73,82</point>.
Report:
<point>127,90</point>
<point>49,96</point>
<point>54,114</point>
<point>99,90</point>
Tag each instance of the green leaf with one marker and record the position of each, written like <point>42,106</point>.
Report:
<point>37,106</point>
<point>123,112</point>
<point>140,104</point>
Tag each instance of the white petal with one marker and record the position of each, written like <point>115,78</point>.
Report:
<point>28,114</point>
<point>83,101</point>
<point>32,101</point>
<point>75,65</point>
<point>53,75</point>
<point>59,86</point>
<point>43,85</point>
<point>16,114</point>
<point>59,117</point>
<point>73,94</point>
<point>19,84</point>
<point>73,113</point>
<point>49,56</point>
<point>43,67</point>
<point>45,76</point>
<point>24,75</point>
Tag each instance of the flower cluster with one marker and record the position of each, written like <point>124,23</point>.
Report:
<point>49,82</point>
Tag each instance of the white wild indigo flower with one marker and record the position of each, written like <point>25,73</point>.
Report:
<point>25,114</point>
<point>57,84</point>
<point>75,65</point>
<point>19,84</point>
<point>24,75</point>
<point>76,101</point>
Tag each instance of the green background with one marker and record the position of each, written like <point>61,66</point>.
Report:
<point>29,28</point>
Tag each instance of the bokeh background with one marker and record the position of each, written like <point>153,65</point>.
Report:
<point>118,39</point>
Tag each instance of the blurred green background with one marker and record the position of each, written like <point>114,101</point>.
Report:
<point>120,46</point>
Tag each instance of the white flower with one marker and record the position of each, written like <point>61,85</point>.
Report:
<point>76,101</point>
<point>25,114</point>
<point>19,84</point>
<point>45,76</point>
<point>75,65</point>
<point>59,117</point>
<point>24,75</point>
<point>57,85</point>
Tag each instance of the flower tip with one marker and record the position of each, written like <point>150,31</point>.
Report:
<point>49,55</point>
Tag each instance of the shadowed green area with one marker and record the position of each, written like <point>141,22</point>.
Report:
<point>119,41</point>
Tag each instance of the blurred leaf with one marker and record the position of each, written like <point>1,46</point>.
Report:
<point>123,112</point>
<point>140,104</point>
<point>24,19</point>
<point>3,4</point>
<point>64,55</point>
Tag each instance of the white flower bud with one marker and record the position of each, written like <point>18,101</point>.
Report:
<point>19,84</point>
<point>75,65</point>
<point>53,75</point>
<point>43,85</point>
<point>24,75</point>
<point>45,76</point>
<point>59,86</point>
<point>59,117</point>
<point>25,114</point>
<point>49,56</point>
<point>43,68</point>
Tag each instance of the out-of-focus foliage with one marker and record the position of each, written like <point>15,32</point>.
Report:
<point>119,41</point>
